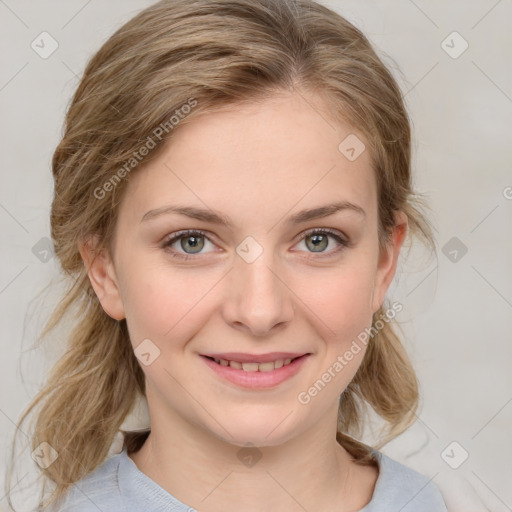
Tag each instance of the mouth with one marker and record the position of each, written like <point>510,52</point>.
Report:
<point>255,374</point>
<point>254,366</point>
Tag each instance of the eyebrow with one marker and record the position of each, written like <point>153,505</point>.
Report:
<point>223,220</point>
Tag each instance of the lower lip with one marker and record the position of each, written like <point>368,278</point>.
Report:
<point>257,380</point>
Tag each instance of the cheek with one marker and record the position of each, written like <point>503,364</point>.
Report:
<point>161,302</point>
<point>344,308</point>
<point>340,298</point>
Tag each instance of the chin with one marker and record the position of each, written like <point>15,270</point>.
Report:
<point>256,431</point>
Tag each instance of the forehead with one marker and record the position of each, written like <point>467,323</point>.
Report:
<point>255,160</point>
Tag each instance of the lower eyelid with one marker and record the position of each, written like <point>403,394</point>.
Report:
<point>342,245</point>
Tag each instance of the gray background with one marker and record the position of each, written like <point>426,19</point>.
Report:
<point>457,307</point>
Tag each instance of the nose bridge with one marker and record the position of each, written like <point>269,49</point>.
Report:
<point>259,282</point>
<point>258,297</point>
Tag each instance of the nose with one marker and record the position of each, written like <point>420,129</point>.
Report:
<point>258,299</point>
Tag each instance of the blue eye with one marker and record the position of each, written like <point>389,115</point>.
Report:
<point>195,240</point>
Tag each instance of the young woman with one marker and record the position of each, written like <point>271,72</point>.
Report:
<point>232,192</point>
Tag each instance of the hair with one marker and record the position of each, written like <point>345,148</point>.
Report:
<point>211,54</point>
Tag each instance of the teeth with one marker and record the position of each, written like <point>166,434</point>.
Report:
<point>254,367</point>
<point>266,367</point>
<point>250,367</point>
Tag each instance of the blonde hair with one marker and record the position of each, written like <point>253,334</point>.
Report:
<point>217,53</point>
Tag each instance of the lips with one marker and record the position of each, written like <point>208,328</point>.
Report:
<point>254,374</point>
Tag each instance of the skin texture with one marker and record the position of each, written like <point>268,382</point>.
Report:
<point>258,163</point>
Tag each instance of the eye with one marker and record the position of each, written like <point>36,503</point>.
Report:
<point>190,240</point>
<point>318,240</point>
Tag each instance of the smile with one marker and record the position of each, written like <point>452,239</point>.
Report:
<point>255,367</point>
<point>253,374</point>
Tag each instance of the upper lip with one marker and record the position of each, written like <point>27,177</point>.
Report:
<point>255,358</point>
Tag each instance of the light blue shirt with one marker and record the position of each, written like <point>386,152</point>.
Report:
<point>118,485</point>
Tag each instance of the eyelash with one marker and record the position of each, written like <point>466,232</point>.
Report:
<point>316,231</point>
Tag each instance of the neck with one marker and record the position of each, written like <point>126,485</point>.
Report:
<point>307,472</point>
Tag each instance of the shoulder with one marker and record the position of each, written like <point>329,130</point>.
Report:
<point>403,487</point>
<point>99,490</point>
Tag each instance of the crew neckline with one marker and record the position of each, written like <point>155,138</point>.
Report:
<point>134,486</point>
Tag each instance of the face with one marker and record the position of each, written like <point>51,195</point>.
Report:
<point>266,271</point>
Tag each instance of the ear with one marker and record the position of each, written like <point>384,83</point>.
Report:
<point>388,259</point>
<point>102,276</point>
